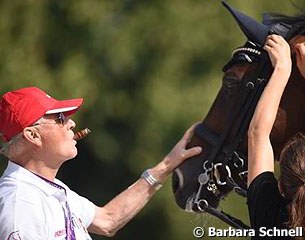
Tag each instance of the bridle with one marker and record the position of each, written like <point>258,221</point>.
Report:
<point>222,154</point>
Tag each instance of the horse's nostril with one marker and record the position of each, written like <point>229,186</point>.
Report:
<point>177,180</point>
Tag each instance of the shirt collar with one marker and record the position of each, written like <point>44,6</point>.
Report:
<point>15,171</point>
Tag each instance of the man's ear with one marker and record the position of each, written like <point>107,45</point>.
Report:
<point>32,135</point>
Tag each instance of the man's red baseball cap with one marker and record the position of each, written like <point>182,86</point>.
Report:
<point>22,108</point>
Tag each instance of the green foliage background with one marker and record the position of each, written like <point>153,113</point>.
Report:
<point>147,71</point>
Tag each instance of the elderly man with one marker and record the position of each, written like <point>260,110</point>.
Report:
<point>38,138</point>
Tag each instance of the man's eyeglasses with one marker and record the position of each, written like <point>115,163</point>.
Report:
<point>60,120</point>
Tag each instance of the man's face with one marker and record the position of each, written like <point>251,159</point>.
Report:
<point>57,137</point>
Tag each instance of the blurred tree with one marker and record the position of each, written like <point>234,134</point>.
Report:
<point>147,70</point>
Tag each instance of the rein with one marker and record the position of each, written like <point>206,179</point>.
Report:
<point>222,148</point>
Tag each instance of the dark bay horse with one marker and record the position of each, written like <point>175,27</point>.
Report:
<point>201,182</point>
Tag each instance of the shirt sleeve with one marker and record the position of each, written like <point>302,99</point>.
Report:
<point>264,201</point>
<point>82,207</point>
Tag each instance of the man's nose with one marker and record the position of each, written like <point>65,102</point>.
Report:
<point>71,124</point>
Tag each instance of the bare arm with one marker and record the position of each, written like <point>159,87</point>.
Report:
<point>260,153</point>
<point>119,211</point>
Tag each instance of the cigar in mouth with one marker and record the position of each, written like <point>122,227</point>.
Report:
<point>81,134</point>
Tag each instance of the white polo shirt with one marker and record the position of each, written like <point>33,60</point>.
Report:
<point>32,208</point>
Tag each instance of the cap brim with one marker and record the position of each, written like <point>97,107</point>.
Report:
<point>66,106</point>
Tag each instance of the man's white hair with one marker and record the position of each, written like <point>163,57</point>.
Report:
<point>5,147</point>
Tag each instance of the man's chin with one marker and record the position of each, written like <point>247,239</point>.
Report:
<point>72,155</point>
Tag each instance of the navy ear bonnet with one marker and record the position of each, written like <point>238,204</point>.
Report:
<point>257,32</point>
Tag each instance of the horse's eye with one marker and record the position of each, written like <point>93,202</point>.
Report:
<point>229,84</point>
<point>230,80</point>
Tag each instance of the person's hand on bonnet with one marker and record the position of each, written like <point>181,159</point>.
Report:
<point>300,57</point>
<point>279,51</point>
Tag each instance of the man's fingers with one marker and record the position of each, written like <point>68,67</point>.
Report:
<point>189,132</point>
<point>192,152</point>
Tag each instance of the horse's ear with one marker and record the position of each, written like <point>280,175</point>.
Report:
<point>254,31</point>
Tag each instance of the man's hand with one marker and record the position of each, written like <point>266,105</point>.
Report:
<point>179,153</point>
<point>176,156</point>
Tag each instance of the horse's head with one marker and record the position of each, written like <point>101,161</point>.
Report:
<point>201,182</point>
